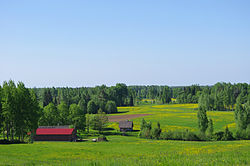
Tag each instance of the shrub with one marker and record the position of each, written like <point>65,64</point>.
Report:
<point>179,135</point>
<point>190,136</point>
<point>248,132</point>
<point>218,135</point>
<point>240,134</point>
<point>228,135</point>
<point>145,129</point>
<point>101,138</point>
<point>156,132</point>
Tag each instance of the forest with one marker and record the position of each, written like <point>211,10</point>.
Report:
<point>23,109</point>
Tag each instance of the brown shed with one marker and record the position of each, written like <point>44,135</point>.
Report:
<point>126,126</point>
<point>55,133</point>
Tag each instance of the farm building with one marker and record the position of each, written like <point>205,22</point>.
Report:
<point>55,133</point>
<point>126,126</point>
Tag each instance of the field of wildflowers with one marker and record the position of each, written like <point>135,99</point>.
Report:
<point>130,150</point>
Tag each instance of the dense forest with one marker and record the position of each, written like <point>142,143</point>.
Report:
<point>221,96</point>
<point>23,109</point>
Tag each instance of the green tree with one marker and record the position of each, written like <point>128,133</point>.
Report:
<point>228,135</point>
<point>50,116</point>
<point>91,108</point>
<point>145,129</point>
<point>83,105</point>
<point>143,124</point>
<point>156,133</point>
<point>34,113</point>
<point>165,95</point>
<point>9,107</point>
<point>111,107</point>
<point>1,114</point>
<point>99,121</point>
<point>89,119</point>
<point>47,97</point>
<point>202,114</point>
<point>77,117</point>
<point>20,110</point>
<point>241,114</point>
<point>63,113</point>
<point>210,127</point>
<point>121,92</point>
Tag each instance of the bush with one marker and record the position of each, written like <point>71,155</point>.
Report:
<point>218,135</point>
<point>145,130</point>
<point>228,135</point>
<point>179,135</point>
<point>190,136</point>
<point>101,138</point>
<point>240,134</point>
<point>156,133</point>
<point>248,132</point>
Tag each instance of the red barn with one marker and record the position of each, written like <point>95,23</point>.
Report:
<point>55,133</point>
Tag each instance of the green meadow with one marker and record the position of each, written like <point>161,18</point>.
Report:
<point>177,116</point>
<point>130,150</point>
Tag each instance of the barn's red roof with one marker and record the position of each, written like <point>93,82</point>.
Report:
<point>53,131</point>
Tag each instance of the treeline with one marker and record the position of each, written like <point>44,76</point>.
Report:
<point>90,100</point>
<point>223,96</point>
<point>19,111</point>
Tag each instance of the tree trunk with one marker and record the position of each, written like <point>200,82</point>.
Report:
<point>12,134</point>
<point>3,134</point>
<point>8,131</point>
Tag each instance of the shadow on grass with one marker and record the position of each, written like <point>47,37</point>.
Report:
<point>108,129</point>
<point>120,112</point>
<point>81,140</point>
<point>130,133</point>
<point>7,142</point>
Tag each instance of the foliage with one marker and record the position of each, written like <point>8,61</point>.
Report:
<point>228,135</point>
<point>180,135</point>
<point>202,115</point>
<point>156,132</point>
<point>242,118</point>
<point>111,107</point>
<point>47,97</point>
<point>19,110</point>
<point>210,128</point>
<point>77,117</point>
<point>218,135</point>
<point>145,131</point>
<point>92,108</point>
<point>99,121</point>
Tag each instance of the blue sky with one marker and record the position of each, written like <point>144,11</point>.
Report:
<point>88,43</point>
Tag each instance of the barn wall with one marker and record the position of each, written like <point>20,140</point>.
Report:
<point>54,138</point>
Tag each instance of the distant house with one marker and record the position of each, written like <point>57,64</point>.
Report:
<point>126,126</point>
<point>55,133</point>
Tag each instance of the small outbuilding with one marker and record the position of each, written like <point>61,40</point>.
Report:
<point>126,126</point>
<point>55,133</point>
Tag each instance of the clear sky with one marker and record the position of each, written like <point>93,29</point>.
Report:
<point>137,42</point>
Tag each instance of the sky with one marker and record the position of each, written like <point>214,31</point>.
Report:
<point>78,43</point>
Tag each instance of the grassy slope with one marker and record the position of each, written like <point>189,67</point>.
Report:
<point>124,150</point>
<point>178,116</point>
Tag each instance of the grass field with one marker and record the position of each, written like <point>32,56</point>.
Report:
<point>177,116</point>
<point>129,150</point>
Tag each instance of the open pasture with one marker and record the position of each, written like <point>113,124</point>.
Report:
<point>124,150</point>
<point>130,150</point>
<point>176,116</point>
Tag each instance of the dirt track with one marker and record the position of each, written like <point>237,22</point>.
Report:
<point>117,118</point>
